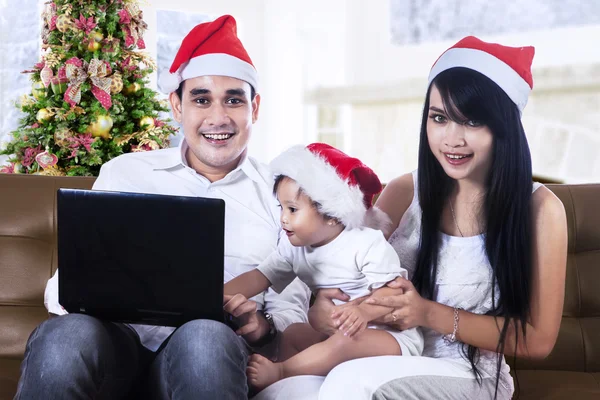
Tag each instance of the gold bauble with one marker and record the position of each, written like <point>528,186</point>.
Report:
<point>63,23</point>
<point>147,123</point>
<point>116,84</point>
<point>43,115</point>
<point>93,46</point>
<point>38,90</point>
<point>51,171</point>
<point>101,127</point>
<point>96,36</point>
<point>18,168</point>
<point>61,137</point>
<point>133,88</point>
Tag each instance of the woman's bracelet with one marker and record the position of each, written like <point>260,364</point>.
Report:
<point>451,338</point>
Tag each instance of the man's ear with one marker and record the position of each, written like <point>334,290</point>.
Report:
<point>175,106</point>
<point>255,107</point>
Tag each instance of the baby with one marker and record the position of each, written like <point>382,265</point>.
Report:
<point>325,198</point>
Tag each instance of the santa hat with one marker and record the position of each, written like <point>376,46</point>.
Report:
<point>342,185</point>
<point>508,67</point>
<point>211,48</point>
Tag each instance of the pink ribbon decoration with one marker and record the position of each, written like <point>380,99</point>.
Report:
<point>47,76</point>
<point>77,72</point>
<point>49,15</point>
<point>127,64</point>
<point>76,75</point>
<point>133,25</point>
<point>98,72</point>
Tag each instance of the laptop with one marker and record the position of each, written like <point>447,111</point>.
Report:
<point>140,258</point>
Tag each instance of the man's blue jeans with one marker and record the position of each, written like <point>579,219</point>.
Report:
<point>80,357</point>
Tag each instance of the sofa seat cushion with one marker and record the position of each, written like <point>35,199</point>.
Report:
<point>558,385</point>
<point>9,376</point>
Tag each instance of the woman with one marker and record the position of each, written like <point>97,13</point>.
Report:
<point>485,248</point>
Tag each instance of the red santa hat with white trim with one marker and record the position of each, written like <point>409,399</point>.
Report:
<point>508,67</point>
<point>343,186</point>
<point>211,48</point>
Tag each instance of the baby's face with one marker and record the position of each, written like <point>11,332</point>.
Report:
<point>300,219</point>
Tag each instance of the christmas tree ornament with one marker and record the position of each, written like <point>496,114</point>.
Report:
<point>38,90</point>
<point>43,115</point>
<point>61,137</point>
<point>63,23</point>
<point>131,89</point>
<point>93,46</point>
<point>58,86</point>
<point>85,24</point>
<point>96,36</point>
<point>133,25</point>
<point>116,85</point>
<point>46,75</point>
<point>101,127</point>
<point>7,169</point>
<point>147,123</point>
<point>51,171</point>
<point>78,71</point>
<point>110,44</point>
<point>46,159</point>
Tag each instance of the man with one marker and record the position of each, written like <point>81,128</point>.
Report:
<point>212,85</point>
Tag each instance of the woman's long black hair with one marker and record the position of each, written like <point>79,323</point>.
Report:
<point>506,209</point>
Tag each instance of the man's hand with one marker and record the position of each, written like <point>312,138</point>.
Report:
<point>252,325</point>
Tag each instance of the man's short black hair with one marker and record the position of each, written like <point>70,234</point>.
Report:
<point>179,91</point>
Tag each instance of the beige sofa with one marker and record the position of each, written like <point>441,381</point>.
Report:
<point>28,259</point>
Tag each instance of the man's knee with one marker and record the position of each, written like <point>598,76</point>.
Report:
<point>206,356</point>
<point>207,341</point>
<point>55,349</point>
<point>68,335</point>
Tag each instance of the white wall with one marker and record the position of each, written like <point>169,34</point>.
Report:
<point>19,50</point>
<point>373,59</point>
<point>386,83</point>
<point>294,46</point>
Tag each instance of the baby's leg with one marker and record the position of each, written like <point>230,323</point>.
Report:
<point>296,338</point>
<point>322,357</point>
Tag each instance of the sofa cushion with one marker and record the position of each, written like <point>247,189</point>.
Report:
<point>555,385</point>
<point>9,377</point>
<point>17,324</point>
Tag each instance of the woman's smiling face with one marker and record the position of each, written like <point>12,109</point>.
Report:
<point>463,149</point>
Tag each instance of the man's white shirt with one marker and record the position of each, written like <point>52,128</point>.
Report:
<point>251,224</point>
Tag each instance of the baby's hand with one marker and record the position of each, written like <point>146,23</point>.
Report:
<point>352,321</point>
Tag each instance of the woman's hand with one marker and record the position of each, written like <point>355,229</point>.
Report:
<point>319,315</point>
<point>409,309</point>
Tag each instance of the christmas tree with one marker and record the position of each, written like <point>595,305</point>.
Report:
<point>89,102</point>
